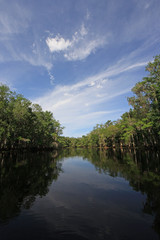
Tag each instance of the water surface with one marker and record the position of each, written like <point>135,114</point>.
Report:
<point>80,194</point>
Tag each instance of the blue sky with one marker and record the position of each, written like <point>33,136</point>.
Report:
<point>78,58</point>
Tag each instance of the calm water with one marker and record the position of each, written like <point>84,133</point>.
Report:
<point>80,194</point>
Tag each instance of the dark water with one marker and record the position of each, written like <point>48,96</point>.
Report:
<point>80,194</point>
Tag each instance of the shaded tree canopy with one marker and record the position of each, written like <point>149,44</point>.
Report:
<point>23,124</point>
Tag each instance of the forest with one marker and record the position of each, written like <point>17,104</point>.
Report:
<point>25,125</point>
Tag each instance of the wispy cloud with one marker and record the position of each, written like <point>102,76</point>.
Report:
<point>15,23</point>
<point>5,81</point>
<point>51,77</point>
<point>76,105</point>
<point>79,47</point>
<point>32,53</point>
<point>14,18</point>
<point>82,50</point>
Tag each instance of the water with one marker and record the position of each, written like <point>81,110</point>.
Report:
<point>80,194</point>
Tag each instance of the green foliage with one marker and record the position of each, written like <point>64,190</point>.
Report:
<point>23,124</point>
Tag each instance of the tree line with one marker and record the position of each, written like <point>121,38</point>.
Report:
<point>23,124</point>
<point>139,127</point>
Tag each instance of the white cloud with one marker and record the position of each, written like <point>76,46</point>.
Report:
<point>79,47</point>
<point>91,84</point>
<point>57,44</point>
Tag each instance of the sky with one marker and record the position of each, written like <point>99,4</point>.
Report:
<point>78,58</point>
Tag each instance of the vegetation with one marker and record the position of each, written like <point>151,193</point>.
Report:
<point>138,127</point>
<point>23,124</point>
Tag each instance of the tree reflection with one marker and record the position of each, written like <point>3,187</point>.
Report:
<point>140,168</point>
<point>23,177</point>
